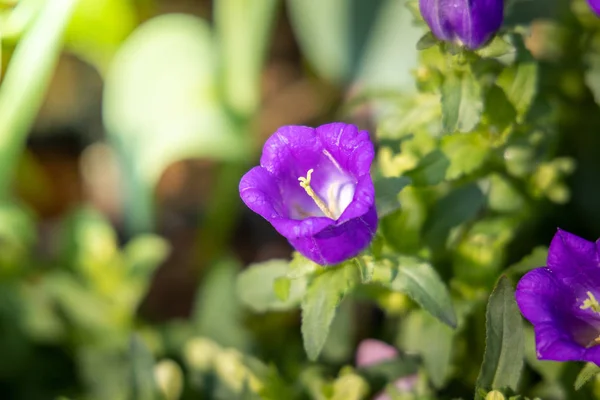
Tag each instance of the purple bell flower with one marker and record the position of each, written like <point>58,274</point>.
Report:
<point>468,22</point>
<point>561,300</point>
<point>595,6</point>
<point>314,186</point>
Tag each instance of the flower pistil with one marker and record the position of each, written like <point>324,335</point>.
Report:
<point>305,183</point>
<point>591,302</point>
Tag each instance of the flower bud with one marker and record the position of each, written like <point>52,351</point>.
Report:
<point>595,6</point>
<point>467,22</point>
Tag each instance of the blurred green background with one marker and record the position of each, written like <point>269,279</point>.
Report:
<point>125,126</point>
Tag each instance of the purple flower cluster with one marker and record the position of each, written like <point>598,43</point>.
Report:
<point>561,300</point>
<point>314,186</point>
<point>468,22</point>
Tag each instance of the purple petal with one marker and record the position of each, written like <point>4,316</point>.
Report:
<point>574,261</point>
<point>471,22</point>
<point>371,351</point>
<point>432,12</point>
<point>562,329</point>
<point>337,243</point>
<point>595,6</point>
<point>352,148</point>
<point>339,157</point>
<point>258,191</point>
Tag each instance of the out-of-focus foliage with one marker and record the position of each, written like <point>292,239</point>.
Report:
<point>480,155</point>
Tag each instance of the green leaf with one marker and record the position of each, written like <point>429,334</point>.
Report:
<point>144,253</point>
<point>402,230</point>
<point>324,31</point>
<point>457,207</point>
<point>425,335</point>
<point>420,281</point>
<point>431,169</point>
<point>496,48</point>
<point>504,352</point>
<point>427,40</point>
<point>536,259</point>
<point>366,267</point>
<point>256,287</point>
<point>415,113</point>
<point>301,266</point>
<point>220,323</point>
<point>355,39</point>
<point>243,28</point>
<point>106,372</point>
<point>281,287</point>
<point>320,303</point>
<point>98,28</point>
<point>143,386</point>
<point>592,75</point>
<point>386,194</point>
<point>589,371</point>
<point>499,111</point>
<point>387,371</point>
<point>520,85</point>
<point>17,237</point>
<point>481,250</point>
<point>26,80</point>
<point>462,103</point>
<point>503,195</point>
<point>181,117</point>
<point>466,153</point>
<point>340,344</point>
<point>349,386</point>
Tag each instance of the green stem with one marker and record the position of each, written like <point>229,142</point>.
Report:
<point>26,81</point>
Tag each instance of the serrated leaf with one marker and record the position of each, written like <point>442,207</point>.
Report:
<point>421,282</point>
<point>265,287</point>
<point>431,169</point>
<point>465,152</point>
<point>426,41</point>
<point>386,194</point>
<point>496,48</point>
<point>301,266</point>
<point>340,344</point>
<point>504,351</point>
<point>432,340</point>
<point>320,303</point>
<point>520,85</point>
<point>462,103</point>
<point>457,207</point>
<point>499,110</point>
<point>589,371</point>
